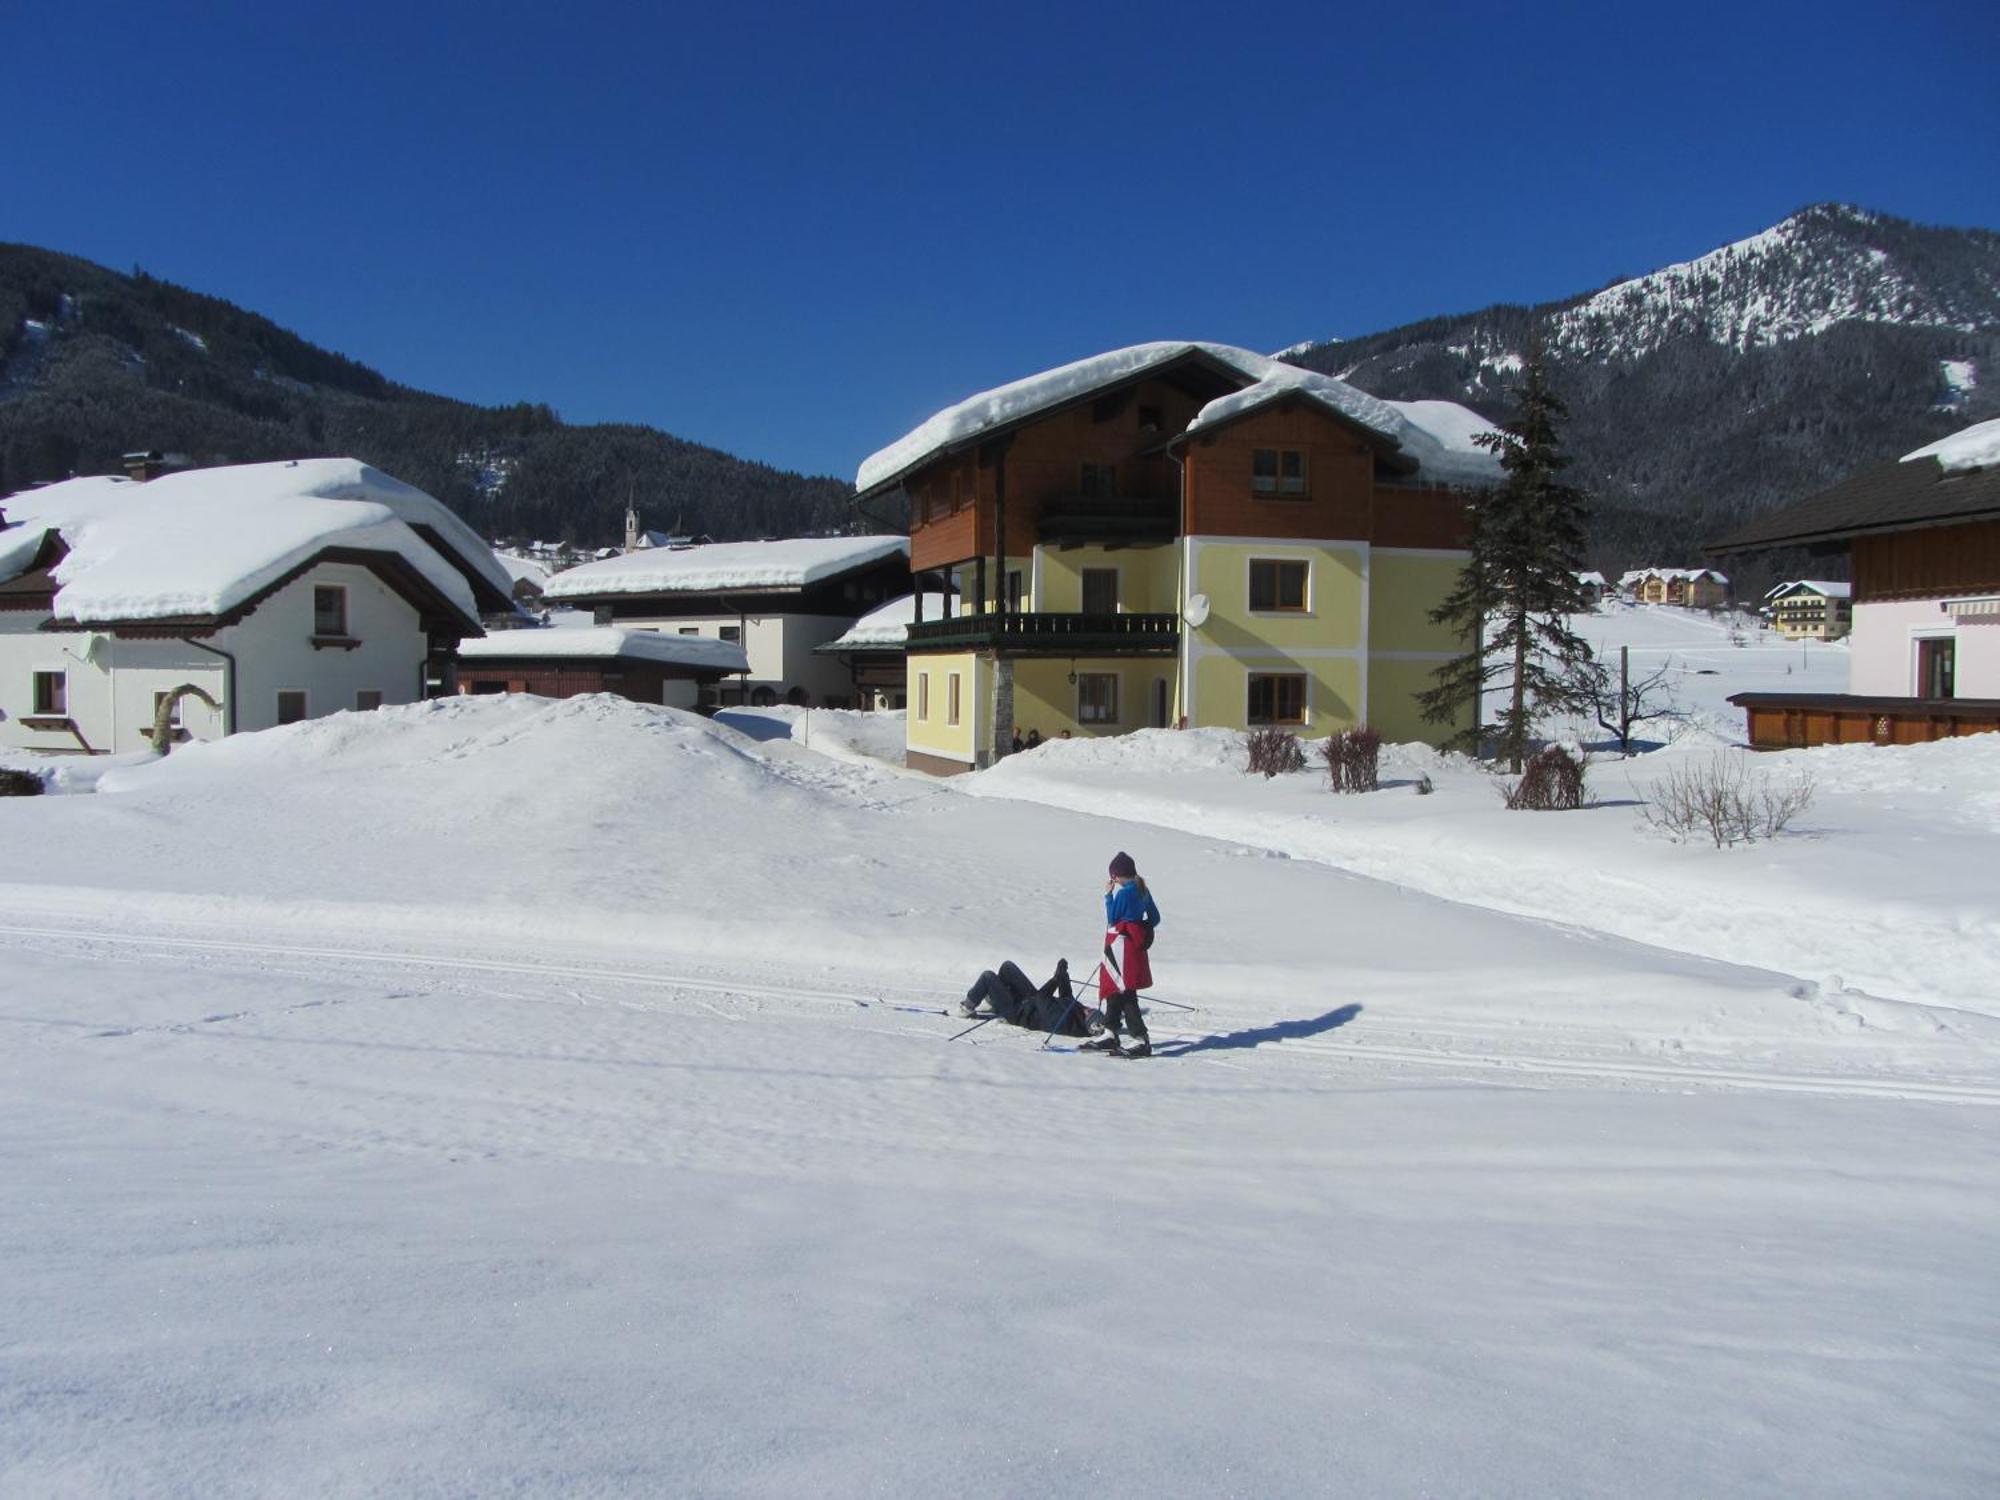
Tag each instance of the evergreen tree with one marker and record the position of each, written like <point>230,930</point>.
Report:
<point>1519,584</point>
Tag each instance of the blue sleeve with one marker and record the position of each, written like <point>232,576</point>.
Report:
<point>1152,917</point>
<point>1110,907</point>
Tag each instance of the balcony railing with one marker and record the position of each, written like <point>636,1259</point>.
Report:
<point>1050,634</point>
<point>1108,520</point>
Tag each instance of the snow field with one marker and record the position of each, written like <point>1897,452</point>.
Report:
<point>497,1095</point>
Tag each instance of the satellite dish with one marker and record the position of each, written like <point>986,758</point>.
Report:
<point>1195,611</point>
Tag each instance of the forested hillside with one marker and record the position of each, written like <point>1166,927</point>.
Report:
<point>1711,391</point>
<point>95,364</point>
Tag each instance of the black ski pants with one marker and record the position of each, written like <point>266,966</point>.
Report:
<point>1009,994</point>
<point>1122,1009</point>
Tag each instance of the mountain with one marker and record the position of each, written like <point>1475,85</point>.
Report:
<point>1707,392</point>
<point>95,364</point>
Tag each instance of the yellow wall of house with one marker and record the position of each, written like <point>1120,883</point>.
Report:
<point>1392,702</point>
<point>1331,619</point>
<point>1045,699</point>
<point>1402,591</point>
<point>932,732</point>
<point>1147,577</point>
<point>1333,689</point>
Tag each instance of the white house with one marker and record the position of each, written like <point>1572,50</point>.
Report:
<point>283,591</point>
<point>779,600</point>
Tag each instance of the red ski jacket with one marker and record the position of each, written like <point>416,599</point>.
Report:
<point>1125,966</point>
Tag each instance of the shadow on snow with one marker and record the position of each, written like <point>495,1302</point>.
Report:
<point>1278,1031</point>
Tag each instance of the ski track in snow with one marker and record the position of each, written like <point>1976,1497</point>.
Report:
<point>1425,1047</point>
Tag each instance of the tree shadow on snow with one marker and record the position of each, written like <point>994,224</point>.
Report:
<point>1256,1037</point>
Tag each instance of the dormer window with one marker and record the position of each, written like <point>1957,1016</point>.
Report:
<point>1278,471</point>
<point>329,610</point>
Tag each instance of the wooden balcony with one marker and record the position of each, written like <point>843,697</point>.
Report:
<point>1049,634</point>
<point>1108,520</point>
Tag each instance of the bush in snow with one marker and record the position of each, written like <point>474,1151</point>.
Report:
<point>1352,758</point>
<point>1273,751</point>
<point>20,784</point>
<point>1424,787</point>
<point>1551,781</point>
<point>1725,801</point>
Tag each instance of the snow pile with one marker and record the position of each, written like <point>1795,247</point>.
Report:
<point>1975,447</point>
<point>605,642</point>
<point>201,541</point>
<point>719,566</point>
<point>889,624</point>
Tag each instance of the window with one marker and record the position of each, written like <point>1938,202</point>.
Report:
<point>329,609</point>
<point>1099,480</point>
<point>1096,698</point>
<point>951,697</point>
<point>1014,590</point>
<point>923,695</point>
<point>1277,471</point>
<point>1278,584</point>
<point>1935,661</point>
<point>1277,698</point>
<point>291,705</point>
<point>958,492</point>
<point>690,630</point>
<point>732,633</point>
<point>1100,591</point>
<point>368,699</point>
<point>51,693</point>
<point>1149,419</point>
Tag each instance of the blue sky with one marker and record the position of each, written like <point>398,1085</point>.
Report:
<point>794,231</point>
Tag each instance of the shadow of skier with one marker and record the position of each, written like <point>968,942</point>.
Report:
<point>1277,1032</point>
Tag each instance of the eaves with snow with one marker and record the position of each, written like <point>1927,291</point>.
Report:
<point>199,543</point>
<point>1435,437</point>
<point>726,567</point>
<point>887,626</point>
<point>606,643</point>
<point>1974,447</point>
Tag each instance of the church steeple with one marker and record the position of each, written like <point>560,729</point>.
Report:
<point>631,527</point>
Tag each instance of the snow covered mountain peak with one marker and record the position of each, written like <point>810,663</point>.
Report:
<point>1828,264</point>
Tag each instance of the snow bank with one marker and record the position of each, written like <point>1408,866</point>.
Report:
<point>789,564</point>
<point>201,541</point>
<point>1976,447</point>
<point>608,641</point>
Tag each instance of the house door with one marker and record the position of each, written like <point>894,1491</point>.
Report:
<point>1160,704</point>
<point>1100,591</point>
<point>1934,666</point>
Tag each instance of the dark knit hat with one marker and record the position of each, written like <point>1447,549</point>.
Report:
<point>1122,867</point>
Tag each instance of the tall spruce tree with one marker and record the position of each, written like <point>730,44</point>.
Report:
<point>1519,585</point>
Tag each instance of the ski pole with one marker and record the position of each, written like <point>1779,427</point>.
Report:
<point>1073,1004</point>
<point>983,1020</point>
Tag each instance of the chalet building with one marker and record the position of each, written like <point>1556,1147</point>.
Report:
<point>1690,588</point>
<point>1593,587</point>
<point>281,591</point>
<point>1922,536</point>
<point>875,649</point>
<point>1809,609</point>
<point>643,665</point>
<point>1177,533</point>
<point>779,601</point>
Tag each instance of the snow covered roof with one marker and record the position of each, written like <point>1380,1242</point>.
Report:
<point>888,624</point>
<point>725,566</point>
<point>19,546</point>
<point>600,642</point>
<point>1974,447</point>
<point>1822,587</point>
<point>1594,579</point>
<point>1436,439</point>
<point>199,542</point>
<point>1685,575</point>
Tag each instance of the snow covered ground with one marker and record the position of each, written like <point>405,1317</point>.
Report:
<point>497,1095</point>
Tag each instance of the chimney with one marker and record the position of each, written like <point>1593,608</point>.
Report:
<point>145,465</point>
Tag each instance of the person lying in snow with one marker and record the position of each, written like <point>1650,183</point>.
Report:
<point>1013,997</point>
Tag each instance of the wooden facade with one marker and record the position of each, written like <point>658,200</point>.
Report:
<point>1793,721</point>
<point>641,681</point>
<point>1927,562</point>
